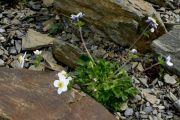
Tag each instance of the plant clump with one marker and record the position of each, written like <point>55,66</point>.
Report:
<point>55,29</point>
<point>98,81</point>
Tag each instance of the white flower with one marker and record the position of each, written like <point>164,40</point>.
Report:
<point>168,61</point>
<point>63,82</point>
<point>95,79</point>
<point>95,90</point>
<point>21,59</point>
<point>152,29</point>
<point>37,52</point>
<point>75,17</point>
<point>134,51</point>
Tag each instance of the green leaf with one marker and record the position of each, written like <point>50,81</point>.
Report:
<point>160,60</point>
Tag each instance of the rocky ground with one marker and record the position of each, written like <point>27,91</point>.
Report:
<point>25,28</point>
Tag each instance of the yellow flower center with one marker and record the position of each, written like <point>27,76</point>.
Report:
<point>154,20</point>
<point>60,84</point>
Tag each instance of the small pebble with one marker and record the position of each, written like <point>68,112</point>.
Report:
<point>128,112</point>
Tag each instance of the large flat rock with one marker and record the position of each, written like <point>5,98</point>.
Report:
<point>169,44</point>
<point>26,95</point>
<point>120,20</point>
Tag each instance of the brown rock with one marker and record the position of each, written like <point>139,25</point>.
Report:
<point>118,19</point>
<point>158,2</point>
<point>25,95</point>
<point>48,2</point>
<point>150,98</point>
<point>66,53</point>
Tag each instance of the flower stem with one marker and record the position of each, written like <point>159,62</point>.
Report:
<point>139,37</point>
<point>82,39</point>
<point>150,67</point>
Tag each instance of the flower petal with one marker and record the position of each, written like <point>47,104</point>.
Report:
<point>169,63</point>
<point>61,77</point>
<point>65,81</point>
<point>63,72</point>
<point>56,83</point>
<point>59,91</point>
<point>152,29</point>
<point>64,89</point>
<point>69,78</point>
<point>168,58</point>
<point>134,51</point>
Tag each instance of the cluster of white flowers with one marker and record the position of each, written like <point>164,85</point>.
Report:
<point>75,17</point>
<point>62,82</point>
<point>168,61</point>
<point>152,22</point>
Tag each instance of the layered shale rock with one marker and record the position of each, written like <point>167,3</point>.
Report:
<point>120,20</point>
<point>169,44</point>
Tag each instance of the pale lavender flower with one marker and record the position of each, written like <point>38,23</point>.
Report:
<point>168,61</point>
<point>75,17</point>
<point>153,23</point>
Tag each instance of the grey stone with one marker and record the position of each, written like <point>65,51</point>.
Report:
<point>19,34</point>
<point>118,19</point>
<point>128,112</point>
<point>173,97</point>
<point>137,115</point>
<point>155,112</point>
<point>148,110</point>
<point>15,22</point>
<point>148,104</point>
<point>136,99</point>
<point>168,44</point>
<point>160,107</point>
<point>18,46</point>
<point>144,81</point>
<point>12,51</point>
<point>15,64</point>
<point>1,62</point>
<point>177,105</point>
<point>169,79</point>
<point>34,40</point>
<point>35,5</point>
<point>1,52</point>
<point>2,30</point>
<point>1,15</point>
<point>176,117</point>
<point>2,39</point>
<point>99,52</point>
<point>144,116</point>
